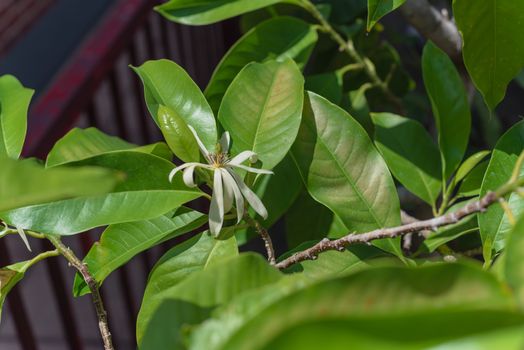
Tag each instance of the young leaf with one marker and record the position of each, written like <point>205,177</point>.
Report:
<point>145,194</point>
<point>342,169</point>
<point>493,48</point>
<point>25,183</point>
<point>450,106</point>
<point>494,224</point>
<point>174,267</point>
<point>80,144</point>
<point>167,84</point>
<point>410,153</point>
<point>273,39</point>
<point>379,8</point>
<point>211,11</point>
<point>121,242</point>
<point>14,103</point>
<point>262,109</point>
<point>513,263</point>
<point>178,135</point>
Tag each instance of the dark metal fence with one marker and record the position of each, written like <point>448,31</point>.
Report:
<point>97,88</point>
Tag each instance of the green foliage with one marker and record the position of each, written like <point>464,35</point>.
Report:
<point>379,8</point>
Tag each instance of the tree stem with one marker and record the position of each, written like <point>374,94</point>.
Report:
<point>262,232</point>
<point>93,287</point>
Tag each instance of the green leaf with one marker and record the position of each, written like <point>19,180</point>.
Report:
<point>471,184</point>
<point>211,11</point>
<point>25,183</point>
<point>146,194</point>
<point>493,48</point>
<point>469,164</point>
<point>378,300</point>
<point>410,153</point>
<point>342,169</point>
<point>121,242</point>
<point>494,224</point>
<point>273,39</point>
<point>513,263</point>
<point>167,84</point>
<point>450,106</point>
<point>178,135</point>
<point>379,8</point>
<point>327,85</point>
<point>449,233</point>
<point>14,103</point>
<point>80,144</point>
<point>262,109</point>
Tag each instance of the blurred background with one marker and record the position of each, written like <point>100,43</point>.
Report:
<point>75,54</point>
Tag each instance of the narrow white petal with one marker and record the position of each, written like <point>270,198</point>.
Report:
<point>228,191</point>
<point>24,237</point>
<point>182,167</point>
<point>253,170</point>
<point>188,176</point>
<point>216,211</point>
<point>250,196</point>
<point>239,200</point>
<point>242,157</point>
<point>225,140</point>
<point>203,149</point>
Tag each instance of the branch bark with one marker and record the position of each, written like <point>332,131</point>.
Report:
<point>262,232</point>
<point>93,287</point>
<point>433,25</point>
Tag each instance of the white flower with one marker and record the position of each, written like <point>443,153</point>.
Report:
<point>227,185</point>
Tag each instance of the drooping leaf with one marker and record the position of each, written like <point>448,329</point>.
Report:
<point>80,144</point>
<point>262,109</point>
<point>211,11</point>
<point>145,194</point>
<point>178,135</point>
<point>14,103</point>
<point>167,84</point>
<point>494,224</point>
<point>379,8</point>
<point>25,183</point>
<point>493,48</point>
<point>273,39</point>
<point>121,242</point>
<point>513,265</point>
<point>450,106</point>
<point>410,153</point>
<point>342,169</point>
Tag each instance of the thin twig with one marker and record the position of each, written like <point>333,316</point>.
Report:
<point>93,287</point>
<point>268,243</point>
<point>451,218</point>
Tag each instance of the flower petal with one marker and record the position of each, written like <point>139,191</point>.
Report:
<point>228,192</point>
<point>239,200</point>
<point>24,237</point>
<point>203,148</point>
<point>253,170</point>
<point>182,167</point>
<point>243,156</point>
<point>225,141</point>
<point>250,196</point>
<point>216,210</point>
<point>188,176</point>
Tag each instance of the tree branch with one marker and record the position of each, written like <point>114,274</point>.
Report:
<point>433,25</point>
<point>268,243</point>
<point>451,218</point>
<point>93,287</point>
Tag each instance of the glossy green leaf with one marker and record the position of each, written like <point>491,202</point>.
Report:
<point>80,144</point>
<point>14,103</point>
<point>410,153</point>
<point>494,224</point>
<point>273,39</point>
<point>493,48</point>
<point>262,109</point>
<point>25,183</point>
<point>211,11</point>
<point>374,298</point>
<point>379,8</point>
<point>145,194</point>
<point>469,164</point>
<point>167,84</point>
<point>450,106</point>
<point>513,263</point>
<point>121,242</point>
<point>178,135</point>
<point>342,169</point>
<point>471,184</point>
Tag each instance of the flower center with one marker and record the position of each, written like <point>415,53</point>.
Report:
<point>219,159</point>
